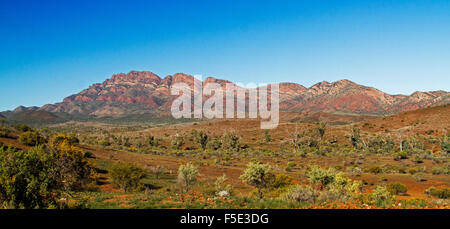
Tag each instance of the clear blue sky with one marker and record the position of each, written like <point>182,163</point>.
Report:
<point>52,49</point>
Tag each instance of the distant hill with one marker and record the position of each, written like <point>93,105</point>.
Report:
<point>144,94</point>
<point>34,117</point>
<point>431,120</point>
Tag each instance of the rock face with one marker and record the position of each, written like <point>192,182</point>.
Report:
<point>344,96</point>
<point>146,93</point>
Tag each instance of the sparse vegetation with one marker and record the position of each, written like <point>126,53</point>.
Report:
<point>303,165</point>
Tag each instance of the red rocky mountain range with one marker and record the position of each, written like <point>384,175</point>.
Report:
<point>140,92</point>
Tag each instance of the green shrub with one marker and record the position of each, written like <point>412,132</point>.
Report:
<point>402,170</point>
<point>24,179</point>
<point>445,144</point>
<point>22,127</point>
<point>443,193</point>
<point>59,138</point>
<point>417,159</point>
<point>187,175</point>
<point>74,171</point>
<point>319,176</point>
<point>401,155</point>
<point>419,177</point>
<point>397,188</point>
<point>127,176</point>
<point>230,142</point>
<point>267,137</point>
<point>412,171</point>
<point>104,142</point>
<point>152,141</point>
<point>34,178</point>
<point>223,189</point>
<point>177,142</point>
<point>157,170</point>
<point>214,144</point>
<point>31,138</point>
<point>441,170</point>
<point>256,175</point>
<point>300,193</point>
<point>278,181</point>
<point>200,138</point>
<point>375,170</point>
<point>291,164</point>
<point>5,132</point>
<point>341,189</point>
<point>88,154</point>
<point>380,145</point>
<point>381,194</point>
<point>355,139</point>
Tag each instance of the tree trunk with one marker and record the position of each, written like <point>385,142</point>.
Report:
<point>260,195</point>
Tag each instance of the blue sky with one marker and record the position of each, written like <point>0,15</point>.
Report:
<point>52,49</point>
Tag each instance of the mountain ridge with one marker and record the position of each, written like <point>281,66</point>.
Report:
<point>143,92</point>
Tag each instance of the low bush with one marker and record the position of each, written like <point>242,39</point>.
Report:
<point>24,180</point>
<point>412,171</point>
<point>230,142</point>
<point>256,175</point>
<point>375,170</point>
<point>127,176</point>
<point>441,170</point>
<point>59,138</point>
<point>187,175</point>
<point>278,181</point>
<point>300,193</point>
<point>74,169</point>
<point>401,155</point>
<point>397,188</point>
<point>221,188</point>
<point>31,138</point>
<point>5,132</point>
<point>319,176</point>
<point>200,138</point>
<point>214,144</point>
<point>445,144</point>
<point>177,142</point>
<point>419,177</point>
<point>443,193</point>
<point>417,159</point>
<point>342,189</point>
<point>381,193</point>
<point>291,164</point>
<point>22,127</point>
<point>35,178</point>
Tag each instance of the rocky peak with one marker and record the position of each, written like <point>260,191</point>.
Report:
<point>321,84</point>
<point>23,108</point>
<point>291,88</point>
<point>144,77</point>
<point>344,82</point>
